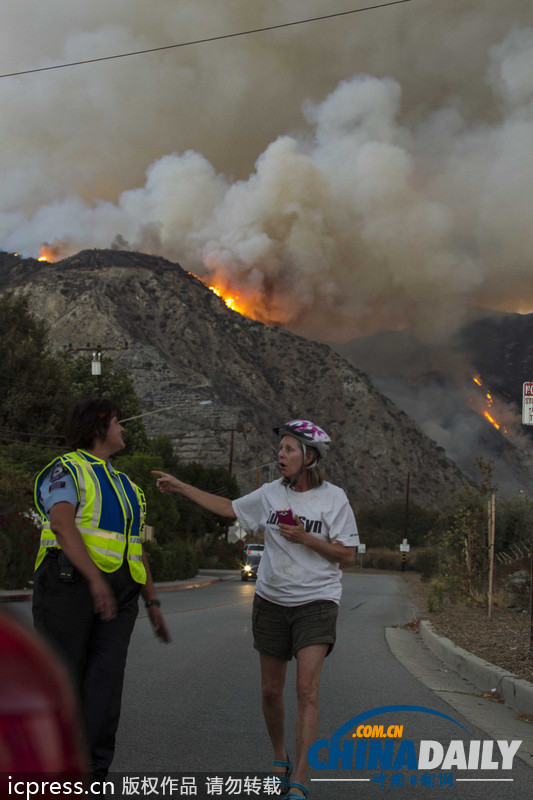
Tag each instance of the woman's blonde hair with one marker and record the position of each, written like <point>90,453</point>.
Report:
<point>315,477</point>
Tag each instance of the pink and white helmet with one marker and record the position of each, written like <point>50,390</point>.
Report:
<point>306,432</point>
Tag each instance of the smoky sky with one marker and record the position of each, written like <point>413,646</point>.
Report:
<point>347,176</point>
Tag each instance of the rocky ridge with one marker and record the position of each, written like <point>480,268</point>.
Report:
<point>225,380</point>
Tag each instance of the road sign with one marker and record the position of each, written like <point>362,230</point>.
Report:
<point>527,403</point>
<point>404,548</point>
<point>361,548</point>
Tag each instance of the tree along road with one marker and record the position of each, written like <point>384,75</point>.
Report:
<point>194,706</point>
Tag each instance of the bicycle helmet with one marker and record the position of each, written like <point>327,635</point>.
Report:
<point>306,432</point>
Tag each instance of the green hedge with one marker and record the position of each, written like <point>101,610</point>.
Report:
<point>19,542</point>
<point>424,560</point>
<point>219,554</point>
<point>169,562</point>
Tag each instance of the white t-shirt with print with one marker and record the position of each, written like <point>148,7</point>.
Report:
<point>292,574</point>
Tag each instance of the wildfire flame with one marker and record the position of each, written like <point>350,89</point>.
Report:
<point>230,296</point>
<point>231,301</point>
<point>249,296</point>
<point>46,253</point>
<point>490,401</point>
<point>492,420</point>
<point>53,251</point>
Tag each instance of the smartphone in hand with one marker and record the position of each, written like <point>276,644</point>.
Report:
<point>286,517</point>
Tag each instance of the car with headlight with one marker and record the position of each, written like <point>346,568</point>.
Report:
<point>250,566</point>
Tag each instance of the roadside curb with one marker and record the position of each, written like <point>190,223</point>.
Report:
<point>517,693</point>
<point>16,596</point>
<point>177,586</point>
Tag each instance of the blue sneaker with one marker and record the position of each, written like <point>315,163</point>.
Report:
<point>284,779</point>
<point>293,795</point>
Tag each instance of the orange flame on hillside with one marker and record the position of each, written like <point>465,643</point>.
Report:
<point>492,420</point>
<point>490,401</point>
<point>232,297</point>
<point>47,253</point>
<point>231,300</point>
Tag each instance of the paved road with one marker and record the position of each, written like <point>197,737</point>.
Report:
<point>194,705</point>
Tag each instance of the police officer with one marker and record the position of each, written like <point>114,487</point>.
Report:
<point>91,568</point>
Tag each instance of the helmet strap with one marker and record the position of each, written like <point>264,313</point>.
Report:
<point>305,466</point>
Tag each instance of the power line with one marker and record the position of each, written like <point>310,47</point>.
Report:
<point>166,408</point>
<point>206,40</point>
<point>10,440</point>
<point>9,431</point>
<point>254,469</point>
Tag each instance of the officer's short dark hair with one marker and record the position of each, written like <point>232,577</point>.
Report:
<point>89,421</point>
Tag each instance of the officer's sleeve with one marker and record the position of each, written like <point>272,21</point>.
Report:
<point>58,486</point>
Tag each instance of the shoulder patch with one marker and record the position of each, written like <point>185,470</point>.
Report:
<point>57,485</point>
<point>58,471</point>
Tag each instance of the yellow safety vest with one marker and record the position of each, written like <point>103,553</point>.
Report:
<point>108,531</point>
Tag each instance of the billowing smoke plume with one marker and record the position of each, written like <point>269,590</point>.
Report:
<point>393,153</point>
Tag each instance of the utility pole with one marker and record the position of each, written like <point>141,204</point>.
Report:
<point>405,546</point>
<point>96,363</point>
<point>96,370</point>
<point>232,431</point>
<point>491,537</point>
<point>406,519</point>
<point>527,419</point>
<point>232,438</point>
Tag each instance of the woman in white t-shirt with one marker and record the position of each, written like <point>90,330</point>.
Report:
<point>310,530</point>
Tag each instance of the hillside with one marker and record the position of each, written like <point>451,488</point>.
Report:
<point>185,347</point>
<point>465,393</point>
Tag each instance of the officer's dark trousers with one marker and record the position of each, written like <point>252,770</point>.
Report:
<point>95,651</point>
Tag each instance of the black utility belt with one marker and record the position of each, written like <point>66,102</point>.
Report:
<point>67,572</point>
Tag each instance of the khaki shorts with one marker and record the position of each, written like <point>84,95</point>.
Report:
<point>282,631</point>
